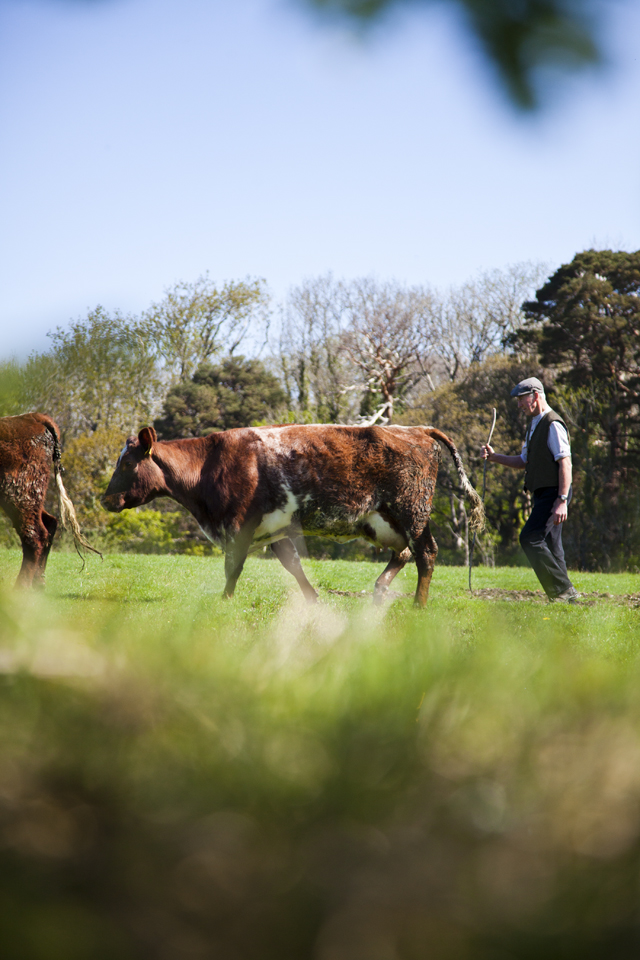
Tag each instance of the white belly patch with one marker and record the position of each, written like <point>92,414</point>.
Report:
<point>277,521</point>
<point>385,534</point>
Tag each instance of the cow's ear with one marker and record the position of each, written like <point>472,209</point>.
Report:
<point>147,438</point>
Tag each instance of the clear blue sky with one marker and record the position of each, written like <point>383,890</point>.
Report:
<point>148,141</point>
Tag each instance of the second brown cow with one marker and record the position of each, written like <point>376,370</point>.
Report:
<point>29,446</point>
<point>266,485</point>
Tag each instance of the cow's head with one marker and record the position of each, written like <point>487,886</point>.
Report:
<point>137,479</point>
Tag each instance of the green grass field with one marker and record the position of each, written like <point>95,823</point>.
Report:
<point>187,777</point>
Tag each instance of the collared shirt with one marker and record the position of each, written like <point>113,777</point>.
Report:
<point>557,441</point>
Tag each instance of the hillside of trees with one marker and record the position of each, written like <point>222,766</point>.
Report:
<point>212,357</point>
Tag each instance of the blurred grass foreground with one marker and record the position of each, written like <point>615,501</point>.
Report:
<point>183,778</point>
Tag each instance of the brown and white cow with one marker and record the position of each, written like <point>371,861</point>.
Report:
<point>29,445</point>
<point>264,485</point>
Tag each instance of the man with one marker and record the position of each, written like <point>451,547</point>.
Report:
<point>546,461</point>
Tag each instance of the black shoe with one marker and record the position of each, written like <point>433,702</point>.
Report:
<point>567,596</point>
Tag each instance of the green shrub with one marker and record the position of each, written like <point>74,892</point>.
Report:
<point>153,531</point>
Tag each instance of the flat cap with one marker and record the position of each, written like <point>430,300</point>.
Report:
<point>525,387</point>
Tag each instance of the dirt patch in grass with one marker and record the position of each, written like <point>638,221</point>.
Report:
<point>347,593</point>
<point>631,600</point>
<point>389,595</point>
<point>495,593</point>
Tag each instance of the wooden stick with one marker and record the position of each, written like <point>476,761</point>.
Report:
<point>484,490</point>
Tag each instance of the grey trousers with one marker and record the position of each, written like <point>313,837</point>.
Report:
<point>544,550</point>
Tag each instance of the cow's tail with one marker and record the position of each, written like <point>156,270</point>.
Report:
<point>476,517</point>
<point>67,509</point>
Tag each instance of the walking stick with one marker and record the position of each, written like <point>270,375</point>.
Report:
<point>484,490</point>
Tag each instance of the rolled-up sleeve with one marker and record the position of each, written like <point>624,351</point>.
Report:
<point>558,441</point>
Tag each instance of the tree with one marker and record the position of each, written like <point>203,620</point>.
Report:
<point>196,321</point>
<point>88,460</point>
<point>100,372</point>
<point>236,393</point>
<point>313,365</point>
<point>519,39</point>
<point>474,320</point>
<point>388,337</point>
<point>11,389</point>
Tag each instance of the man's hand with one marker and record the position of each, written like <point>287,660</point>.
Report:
<point>560,511</point>
<point>489,454</point>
